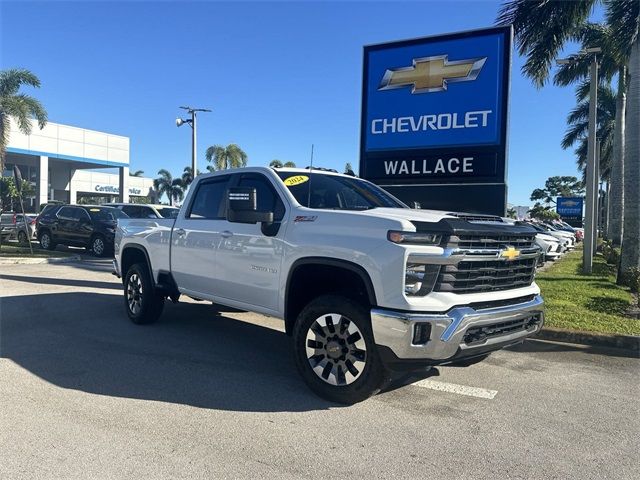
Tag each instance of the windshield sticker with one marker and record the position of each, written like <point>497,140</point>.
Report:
<point>296,180</point>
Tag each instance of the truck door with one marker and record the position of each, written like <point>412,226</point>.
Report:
<point>248,262</point>
<point>196,236</point>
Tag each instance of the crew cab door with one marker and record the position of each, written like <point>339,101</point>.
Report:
<point>248,261</point>
<point>196,236</point>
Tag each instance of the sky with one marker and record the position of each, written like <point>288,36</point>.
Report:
<point>279,76</point>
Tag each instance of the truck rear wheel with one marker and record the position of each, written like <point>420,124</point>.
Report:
<point>144,305</point>
<point>335,351</point>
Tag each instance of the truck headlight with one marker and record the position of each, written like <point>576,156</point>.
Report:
<point>414,237</point>
<point>419,278</point>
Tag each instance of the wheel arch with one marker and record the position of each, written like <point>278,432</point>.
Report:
<point>298,292</point>
<point>132,254</point>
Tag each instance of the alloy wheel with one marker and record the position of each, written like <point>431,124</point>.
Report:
<point>336,349</point>
<point>98,246</point>
<point>134,293</point>
<point>45,240</point>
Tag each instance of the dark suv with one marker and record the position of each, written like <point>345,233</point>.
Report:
<point>92,227</point>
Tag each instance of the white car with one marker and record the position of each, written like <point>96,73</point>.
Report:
<point>364,284</point>
<point>550,246</point>
<point>146,210</point>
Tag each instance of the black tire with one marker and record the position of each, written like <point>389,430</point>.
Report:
<point>46,241</point>
<point>22,238</point>
<point>470,361</point>
<point>342,355</point>
<point>143,304</point>
<point>98,245</point>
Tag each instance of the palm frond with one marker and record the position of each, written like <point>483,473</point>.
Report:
<point>542,28</point>
<point>12,79</point>
<point>624,18</point>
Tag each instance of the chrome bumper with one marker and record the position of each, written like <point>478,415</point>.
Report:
<point>395,329</point>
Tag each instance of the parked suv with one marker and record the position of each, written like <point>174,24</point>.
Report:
<point>138,210</point>
<point>92,227</point>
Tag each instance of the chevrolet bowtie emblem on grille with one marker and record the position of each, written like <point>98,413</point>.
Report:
<point>510,253</point>
<point>432,74</point>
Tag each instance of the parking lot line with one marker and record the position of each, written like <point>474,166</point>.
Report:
<point>459,389</point>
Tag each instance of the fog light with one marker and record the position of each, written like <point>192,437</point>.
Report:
<point>421,333</point>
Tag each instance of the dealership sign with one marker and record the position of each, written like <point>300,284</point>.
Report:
<point>116,190</point>
<point>434,110</point>
<point>569,206</point>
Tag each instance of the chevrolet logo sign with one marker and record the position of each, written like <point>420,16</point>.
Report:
<point>432,74</point>
<point>510,253</point>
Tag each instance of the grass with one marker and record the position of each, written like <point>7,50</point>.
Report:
<point>12,250</point>
<point>591,303</point>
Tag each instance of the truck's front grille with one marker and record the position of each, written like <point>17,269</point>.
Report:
<point>477,335</point>
<point>522,241</point>
<point>485,276</point>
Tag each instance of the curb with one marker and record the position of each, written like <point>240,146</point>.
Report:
<point>626,342</point>
<point>38,261</point>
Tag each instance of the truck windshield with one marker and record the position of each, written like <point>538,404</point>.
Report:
<point>336,192</point>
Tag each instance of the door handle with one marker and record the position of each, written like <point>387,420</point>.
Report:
<point>180,232</point>
<point>226,234</point>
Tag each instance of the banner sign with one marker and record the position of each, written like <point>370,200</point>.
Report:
<point>435,109</point>
<point>569,206</point>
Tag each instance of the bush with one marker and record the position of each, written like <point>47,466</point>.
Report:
<point>610,253</point>
<point>632,279</point>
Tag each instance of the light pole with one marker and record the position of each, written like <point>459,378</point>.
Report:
<point>192,122</point>
<point>591,200</point>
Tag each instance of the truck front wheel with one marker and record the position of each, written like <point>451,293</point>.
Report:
<point>144,305</point>
<point>335,351</point>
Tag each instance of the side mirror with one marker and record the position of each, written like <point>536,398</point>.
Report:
<point>242,206</point>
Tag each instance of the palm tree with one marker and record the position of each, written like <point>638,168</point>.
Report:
<point>137,173</point>
<point>165,184</point>
<point>231,156</point>
<point>20,106</point>
<point>187,176</point>
<point>624,18</point>
<point>279,164</point>
<point>542,28</point>
<point>578,127</point>
<point>612,63</point>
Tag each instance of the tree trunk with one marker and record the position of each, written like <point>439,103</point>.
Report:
<point>630,256</point>
<point>616,200</point>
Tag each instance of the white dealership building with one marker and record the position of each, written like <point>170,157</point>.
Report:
<point>64,163</point>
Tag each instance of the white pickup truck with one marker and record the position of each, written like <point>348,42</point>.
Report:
<point>364,284</point>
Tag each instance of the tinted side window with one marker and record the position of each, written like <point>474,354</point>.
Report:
<point>133,212</point>
<point>80,213</point>
<point>268,199</point>
<point>209,200</point>
<point>66,213</point>
<point>147,212</point>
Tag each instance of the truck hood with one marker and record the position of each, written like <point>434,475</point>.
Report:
<point>407,214</point>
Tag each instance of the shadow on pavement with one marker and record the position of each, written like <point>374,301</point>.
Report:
<point>84,341</point>
<point>62,281</point>
<point>533,346</point>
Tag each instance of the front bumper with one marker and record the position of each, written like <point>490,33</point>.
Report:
<point>451,332</point>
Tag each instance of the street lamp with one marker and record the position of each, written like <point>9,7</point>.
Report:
<point>192,122</point>
<point>591,203</point>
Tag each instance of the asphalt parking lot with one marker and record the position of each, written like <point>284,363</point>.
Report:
<point>87,394</point>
